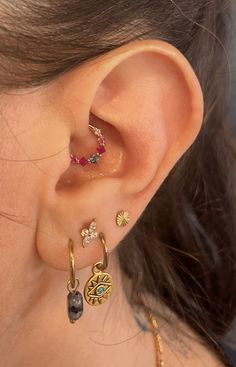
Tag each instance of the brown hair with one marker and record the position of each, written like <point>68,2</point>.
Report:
<point>184,243</point>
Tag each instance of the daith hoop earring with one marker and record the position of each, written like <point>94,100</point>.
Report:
<point>93,158</point>
<point>99,286</point>
<point>74,297</point>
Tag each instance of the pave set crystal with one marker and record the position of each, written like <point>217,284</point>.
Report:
<point>89,233</point>
<point>93,158</point>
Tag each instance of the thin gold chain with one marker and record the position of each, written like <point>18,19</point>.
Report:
<point>157,339</point>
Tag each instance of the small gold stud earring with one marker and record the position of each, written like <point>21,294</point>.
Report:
<point>122,218</point>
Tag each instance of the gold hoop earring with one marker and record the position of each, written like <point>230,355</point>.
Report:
<point>99,286</point>
<point>74,297</point>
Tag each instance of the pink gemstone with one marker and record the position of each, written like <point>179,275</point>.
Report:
<point>74,159</point>
<point>101,149</point>
<point>101,140</point>
<point>83,161</point>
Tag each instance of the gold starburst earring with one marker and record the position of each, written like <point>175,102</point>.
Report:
<point>122,218</point>
<point>99,286</point>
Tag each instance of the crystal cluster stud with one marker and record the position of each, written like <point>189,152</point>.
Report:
<point>89,233</point>
<point>95,157</point>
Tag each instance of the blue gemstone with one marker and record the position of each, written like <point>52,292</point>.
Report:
<point>94,158</point>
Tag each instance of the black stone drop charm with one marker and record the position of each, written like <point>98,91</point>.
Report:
<point>74,306</point>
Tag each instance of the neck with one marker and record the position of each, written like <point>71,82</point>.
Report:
<point>104,335</point>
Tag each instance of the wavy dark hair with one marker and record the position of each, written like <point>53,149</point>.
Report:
<point>183,245</point>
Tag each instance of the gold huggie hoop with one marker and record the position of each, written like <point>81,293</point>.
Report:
<point>102,265</point>
<point>71,284</point>
<point>74,297</point>
<point>99,286</point>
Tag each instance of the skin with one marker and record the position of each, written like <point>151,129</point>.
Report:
<point>148,102</point>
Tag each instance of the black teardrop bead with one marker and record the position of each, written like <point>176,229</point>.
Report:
<point>74,305</point>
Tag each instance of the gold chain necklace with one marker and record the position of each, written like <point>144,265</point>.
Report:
<point>157,338</point>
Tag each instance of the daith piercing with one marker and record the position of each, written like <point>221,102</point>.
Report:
<point>94,157</point>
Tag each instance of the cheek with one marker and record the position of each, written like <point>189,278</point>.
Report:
<point>19,180</point>
<point>18,217</point>
<point>20,183</point>
<point>19,263</point>
<point>29,143</point>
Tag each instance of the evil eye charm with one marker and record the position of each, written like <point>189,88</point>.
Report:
<point>98,288</point>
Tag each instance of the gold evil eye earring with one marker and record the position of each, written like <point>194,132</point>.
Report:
<point>74,297</point>
<point>95,157</point>
<point>99,286</point>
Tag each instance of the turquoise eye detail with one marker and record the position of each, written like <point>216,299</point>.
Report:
<point>100,290</point>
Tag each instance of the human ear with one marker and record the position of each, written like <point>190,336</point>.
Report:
<point>147,101</point>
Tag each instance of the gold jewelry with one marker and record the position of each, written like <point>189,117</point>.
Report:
<point>74,297</point>
<point>99,286</point>
<point>157,338</point>
<point>122,218</point>
<point>89,233</point>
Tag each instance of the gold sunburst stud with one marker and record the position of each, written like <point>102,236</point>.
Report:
<point>122,218</point>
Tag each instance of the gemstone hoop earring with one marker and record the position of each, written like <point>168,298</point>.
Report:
<point>95,157</point>
<point>74,297</point>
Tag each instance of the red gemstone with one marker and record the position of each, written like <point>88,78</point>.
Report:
<point>101,149</point>
<point>83,161</point>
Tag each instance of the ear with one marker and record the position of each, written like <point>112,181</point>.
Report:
<point>147,100</point>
